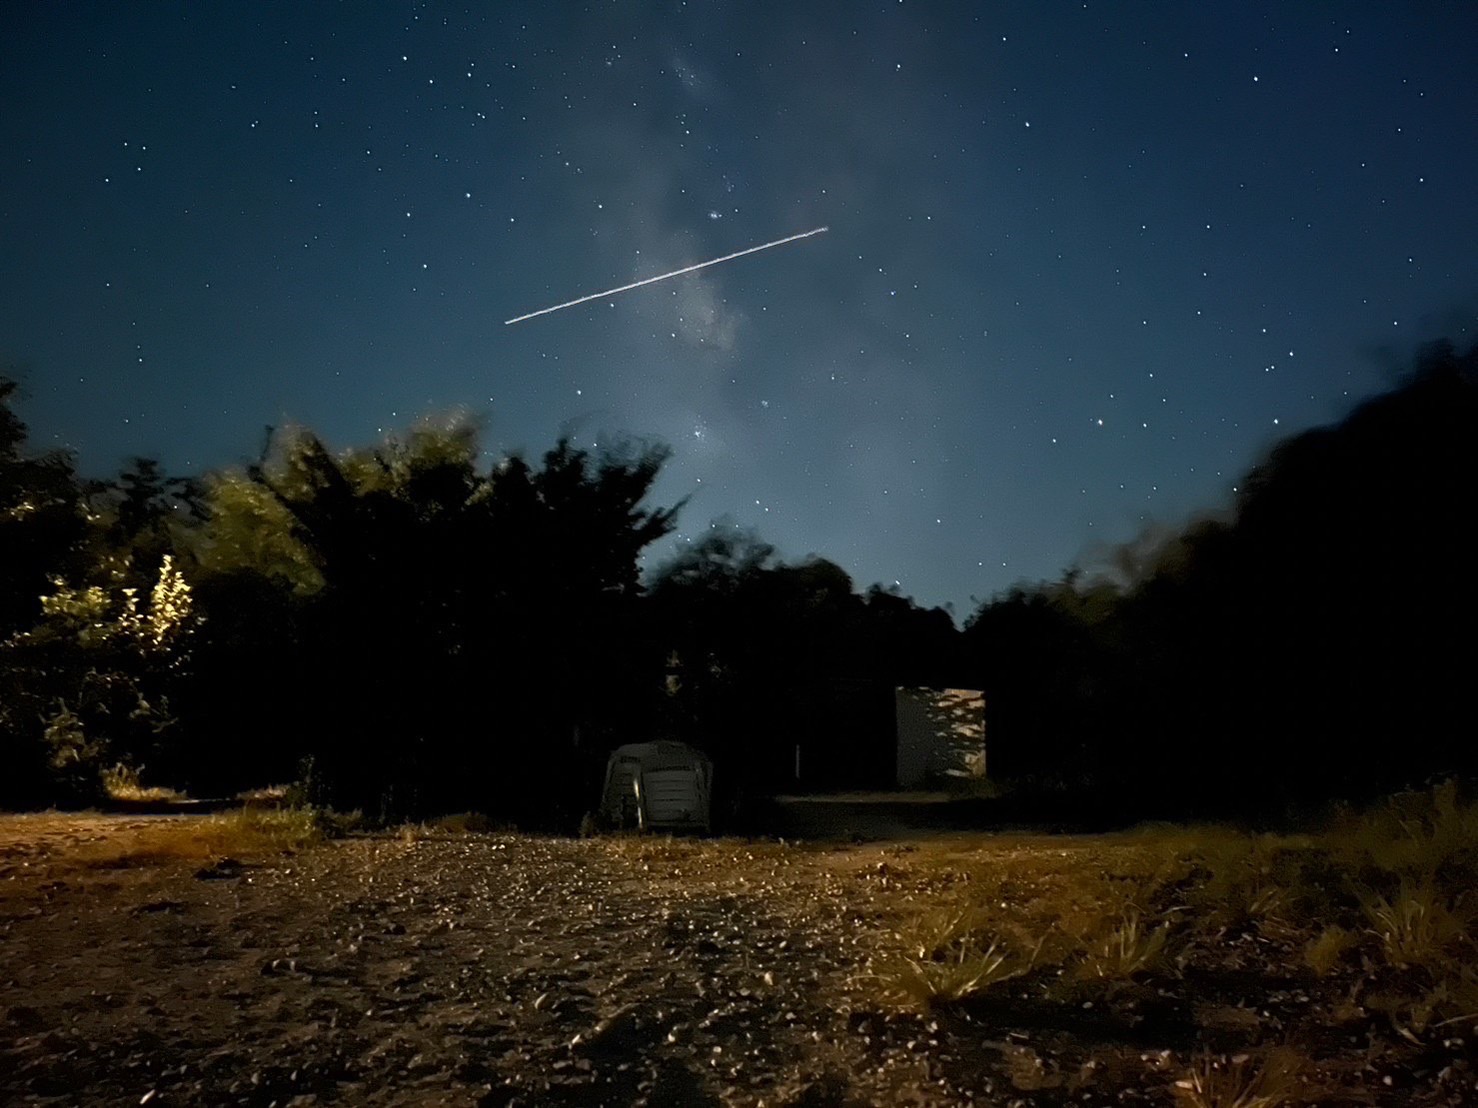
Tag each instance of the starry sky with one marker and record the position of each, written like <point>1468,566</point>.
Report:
<point>1085,262</point>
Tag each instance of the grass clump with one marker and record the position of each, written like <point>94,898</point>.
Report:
<point>1132,947</point>
<point>1242,1081</point>
<point>240,834</point>
<point>463,823</point>
<point>122,782</point>
<point>1244,883</point>
<point>1324,953</point>
<point>1418,835</point>
<point>951,958</point>
<point>1418,925</point>
<point>954,976</point>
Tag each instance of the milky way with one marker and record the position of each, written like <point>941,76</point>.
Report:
<point>1086,262</point>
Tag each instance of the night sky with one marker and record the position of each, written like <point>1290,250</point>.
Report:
<point>1085,263</point>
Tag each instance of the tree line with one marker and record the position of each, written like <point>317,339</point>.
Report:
<point>404,631</point>
<point>1317,641</point>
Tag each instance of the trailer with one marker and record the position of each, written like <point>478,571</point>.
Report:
<point>657,786</point>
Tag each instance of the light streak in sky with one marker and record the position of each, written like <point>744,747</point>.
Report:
<point>665,276</point>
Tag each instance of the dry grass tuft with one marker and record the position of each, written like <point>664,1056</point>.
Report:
<point>462,823</point>
<point>1249,881</point>
<point>948,978</point>
<point>1417,926</point>
<point>1416,834</point>
<point>952,956</point>
<point>1132,947</point>
<point>1242,1081</point>
<point>121,782</point>
<point>1324,953</point>
<point>243,833</point>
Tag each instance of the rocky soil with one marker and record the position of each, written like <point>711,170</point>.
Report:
<point>487,969</point>
<point>476,969</point>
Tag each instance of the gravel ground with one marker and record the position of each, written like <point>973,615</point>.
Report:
<point>517,970</point>
<point>480,969</point>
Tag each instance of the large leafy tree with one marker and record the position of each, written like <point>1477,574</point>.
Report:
<point>428,636</point>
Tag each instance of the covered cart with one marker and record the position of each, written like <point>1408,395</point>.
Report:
<point>663,786</point>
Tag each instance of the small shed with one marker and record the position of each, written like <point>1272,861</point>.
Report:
<point>660,785</point>
<point>941,736</point>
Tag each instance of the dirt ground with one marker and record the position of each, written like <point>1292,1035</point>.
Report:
<point>489,969</point>
<point>475,969</point>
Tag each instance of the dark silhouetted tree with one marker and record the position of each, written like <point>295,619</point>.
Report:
<point>447,637</point>
<point>41,519</point>
<point>1318,643</point>
<point>42,527</point>
<point>767,657</point>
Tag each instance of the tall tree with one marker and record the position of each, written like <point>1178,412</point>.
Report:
<point>451,632</point>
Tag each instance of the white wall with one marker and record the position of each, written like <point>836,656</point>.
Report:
<point>941,733</point>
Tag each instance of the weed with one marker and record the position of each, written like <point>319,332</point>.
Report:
<point>267,830</point>
<point>1248,880</point>
<point>938,932</point>
<point>954,954</point>
<point>1415,1008</point>
<point>1241,1081</point>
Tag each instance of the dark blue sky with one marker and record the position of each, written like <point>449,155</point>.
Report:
<point>1085,261</point>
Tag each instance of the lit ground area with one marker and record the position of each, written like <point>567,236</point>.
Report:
<point>178,961</point>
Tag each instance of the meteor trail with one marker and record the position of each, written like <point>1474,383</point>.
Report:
<point>664,276</point>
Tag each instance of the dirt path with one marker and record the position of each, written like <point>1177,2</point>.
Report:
<point>476,970</point>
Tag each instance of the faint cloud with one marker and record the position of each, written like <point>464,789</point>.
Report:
<point>703,318</point>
